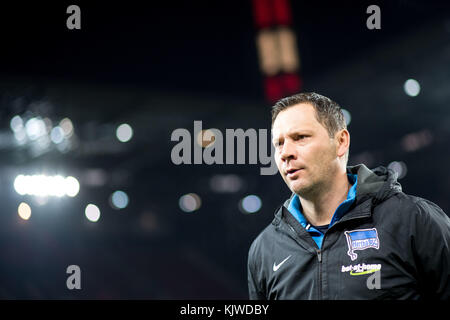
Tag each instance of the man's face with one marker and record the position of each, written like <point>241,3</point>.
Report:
<point>304,152</point>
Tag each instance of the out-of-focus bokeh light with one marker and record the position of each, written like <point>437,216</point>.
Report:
<point>417,140</point>
<point>72,186</point>
<point>206,138</point>
<point>287,50</point>
<point>67,127</point>
<point>250,204</point>
<point>39,133</point>
<point>16,124</point>
<point>57,135</point>
<point>266,42</point>
<point>92,212</point>
<point>119,200</point>
<point>347,116</point>
<point>399,167</point>
<point>226,183</point>
<point>24,211</point>
<point>124,132</point>
<point>35,128</point>
<point>43,186</point>
<point>190,202</point>
<point>411,87</point>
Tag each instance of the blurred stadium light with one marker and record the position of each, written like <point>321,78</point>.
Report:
<point>24,211</point>
<point>412,87</point>
<point>190,202</point>
<point>250,204</point>
<point>119,200</point>
<point>124,132</point>
<point>42,185</point>
<point>92,212</point>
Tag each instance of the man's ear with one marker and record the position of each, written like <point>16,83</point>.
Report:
<point>342,139</point>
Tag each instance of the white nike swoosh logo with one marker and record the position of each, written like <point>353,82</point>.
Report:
<point>277,266</point>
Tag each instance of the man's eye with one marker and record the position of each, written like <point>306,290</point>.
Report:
<point>300,137</point>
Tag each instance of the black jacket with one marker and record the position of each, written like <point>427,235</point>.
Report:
<point>389,245</point>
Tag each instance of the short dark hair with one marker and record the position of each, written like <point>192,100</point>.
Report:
<point>328,112</point>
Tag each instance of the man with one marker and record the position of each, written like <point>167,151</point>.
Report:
<point>346,232</point>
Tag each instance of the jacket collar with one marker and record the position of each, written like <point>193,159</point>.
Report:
<point>373,187</point>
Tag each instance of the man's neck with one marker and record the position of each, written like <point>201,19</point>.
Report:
<point>319,210</point>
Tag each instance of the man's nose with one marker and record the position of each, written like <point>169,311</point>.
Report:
<point>288,151</point>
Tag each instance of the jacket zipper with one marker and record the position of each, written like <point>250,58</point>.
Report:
<point>319,257</point>
<point>319,251</point>
<point>319,254</point>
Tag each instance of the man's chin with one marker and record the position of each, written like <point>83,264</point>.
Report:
<point>300,189</point>
<point>297,188</point>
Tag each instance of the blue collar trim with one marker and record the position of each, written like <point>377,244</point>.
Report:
<point>342,209</point>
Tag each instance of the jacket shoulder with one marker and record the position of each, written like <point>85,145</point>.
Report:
<point>420,211</point>
<point>428,212</point>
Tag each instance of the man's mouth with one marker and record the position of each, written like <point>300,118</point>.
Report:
<point>291,172</point>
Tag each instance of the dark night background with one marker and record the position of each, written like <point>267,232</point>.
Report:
<point>159,66</point>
